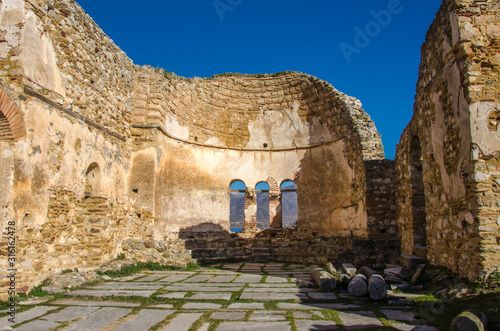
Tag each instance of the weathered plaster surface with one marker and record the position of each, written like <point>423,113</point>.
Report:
<point>38,57</point>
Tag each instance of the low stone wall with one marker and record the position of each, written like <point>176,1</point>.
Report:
<point>266,245</point>
<point>171,252</point>
<point>381,198</point>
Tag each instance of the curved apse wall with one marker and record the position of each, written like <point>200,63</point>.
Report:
<point>202,134</point>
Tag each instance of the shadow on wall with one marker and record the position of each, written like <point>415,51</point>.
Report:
<point>211,243</point>
<point>345,186</point>
<point>330,179</point>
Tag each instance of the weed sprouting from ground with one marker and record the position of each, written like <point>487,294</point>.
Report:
<point>488,282</point>
<point>38,292</point>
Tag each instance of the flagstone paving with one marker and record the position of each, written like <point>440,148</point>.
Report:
<point>236,297</point>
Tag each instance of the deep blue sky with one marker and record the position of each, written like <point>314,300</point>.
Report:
<point>189,38</point>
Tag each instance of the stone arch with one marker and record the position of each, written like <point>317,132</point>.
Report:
<point>12,127</point>
<point>234,181</point>
<point>93,179</point>
<point>237,193</point>
<point>285,181</point>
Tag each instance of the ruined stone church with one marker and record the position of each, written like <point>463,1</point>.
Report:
<point>101,157</point>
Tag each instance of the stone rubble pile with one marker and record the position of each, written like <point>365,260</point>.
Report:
<point>366,281</point>
<point>61,283</point>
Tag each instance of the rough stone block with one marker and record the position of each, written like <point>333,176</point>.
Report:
<point>254,326</point>
<point>100,319</point>
<point>201,305</point>
<point>146,319</point>
<point>315,325</point>
<point>234,316</point>
<point>182,322</point>
<point>26,315</point>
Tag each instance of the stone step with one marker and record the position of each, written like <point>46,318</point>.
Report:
<point>411,261</point>
<point>261,257</point>
<point>261,250</point>
<point>288,258</point>
<point>215,260</point>
<point>420,251</point>
<point>200,253</point>
<point>420,240</point>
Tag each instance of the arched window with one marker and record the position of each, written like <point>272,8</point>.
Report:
<point>237,207</point>
<point>262,191</point>
<point>93,180</point>
<point>289,208</point>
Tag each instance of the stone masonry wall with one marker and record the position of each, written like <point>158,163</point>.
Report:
<point>380,198</point>
<point>65,177</point>
<point>266,245</point>
<point>441,193</point>
<point>293,109</point>
<point>56,49</point>
<point>480,51</point>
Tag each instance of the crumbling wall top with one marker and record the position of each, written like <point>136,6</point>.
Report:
<point>274,111</point>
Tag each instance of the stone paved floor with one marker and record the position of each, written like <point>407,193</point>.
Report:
<point>237,297</point>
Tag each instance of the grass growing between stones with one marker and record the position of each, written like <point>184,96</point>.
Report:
<point>189,294</point>
<point>212,327</point>
<point>425,298</point>
<point>92,283</point>
<point>130,299</point>
<point>290,318</point>
<point>384,321</point>
<point>271,305</point>
<point>248,314</point>
<point>35,292</point>
<point>38,292</point>
<point>164,323</point>
<point>64,325</point>
<point>332,315</point>
<point>484,284</point>
<point>236,295</point>
<point>205,318</point>
<point>131,269</point>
